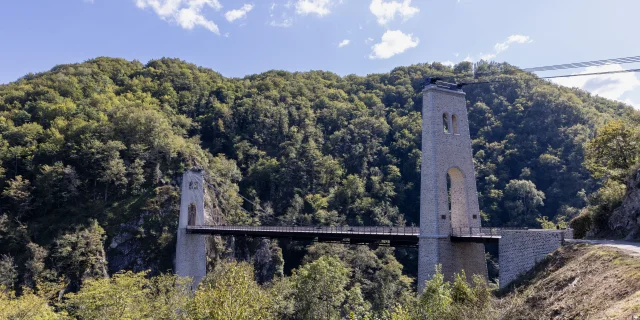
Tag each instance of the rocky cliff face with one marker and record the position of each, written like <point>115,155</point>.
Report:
<point>625,220</point>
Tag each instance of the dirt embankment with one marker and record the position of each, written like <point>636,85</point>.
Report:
<point>578,281</point>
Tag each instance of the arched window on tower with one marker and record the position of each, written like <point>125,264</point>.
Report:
<point>191,221</point>
<point>445,122</point>
<point>454,124</point>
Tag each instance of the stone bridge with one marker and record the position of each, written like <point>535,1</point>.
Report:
<point>450,232</point>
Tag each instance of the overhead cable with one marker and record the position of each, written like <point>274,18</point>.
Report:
<point>585,64</point>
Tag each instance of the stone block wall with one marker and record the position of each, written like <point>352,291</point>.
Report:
<point>520,250</point>
<point>446,151</point>
<point>469,257</point>
<point>191,250</point>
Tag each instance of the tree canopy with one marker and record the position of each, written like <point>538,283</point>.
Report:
<point>96,150</point>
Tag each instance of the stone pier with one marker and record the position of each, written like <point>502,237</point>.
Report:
<point>447,172</point>
<point>191,250</point>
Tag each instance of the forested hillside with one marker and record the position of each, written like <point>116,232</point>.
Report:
<point>91,153</point>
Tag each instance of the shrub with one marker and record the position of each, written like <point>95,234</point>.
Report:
<point>581,224</point>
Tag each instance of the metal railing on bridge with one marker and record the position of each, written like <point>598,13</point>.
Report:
<point>360,230</point>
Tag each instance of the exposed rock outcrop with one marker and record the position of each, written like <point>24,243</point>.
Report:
<point>625,220</point>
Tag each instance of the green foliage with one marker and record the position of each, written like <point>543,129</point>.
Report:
<point>354,305</point>
<point>613,155</point>
<point>443,300</point>
<point>604,201</point>
<point>545,223</point>
<point>281,292</point>
<point>377,273</point>
<point>28,306</point>
<point>436,299</point>
<point>522,200</point>
<point>131,296</point>
<point>320,288</point>
<point>8,272</point>
<point>80,254</point>
<point>230,292</point>
<point>581,224</point>
<point>101,145</point>
<point>614,150</point>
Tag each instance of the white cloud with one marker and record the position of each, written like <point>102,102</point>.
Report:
<point>236,14</point>
<point>610,86</point>
<point>368,40</point>
<point>386,11</point>
<point>487,56</point>
<point>500,47</point>
<point>344,43</point>
<point>285,20</point>
<point>286,23</point>
<point>393,42</point>
<point>449,63</point>
<point>319,7</point>
<point>516,38</point>
<point>186,13</point>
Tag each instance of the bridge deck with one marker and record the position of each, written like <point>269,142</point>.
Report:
<point>397,236</point>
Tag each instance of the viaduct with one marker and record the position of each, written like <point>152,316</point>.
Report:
<point>450,232</point>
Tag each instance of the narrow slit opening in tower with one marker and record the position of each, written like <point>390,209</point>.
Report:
<point>191,221</point>
<point>448,194</point>
<point>445,123</point>
<point>454,124</point>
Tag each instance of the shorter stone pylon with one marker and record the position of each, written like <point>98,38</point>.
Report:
<point>191,250</point>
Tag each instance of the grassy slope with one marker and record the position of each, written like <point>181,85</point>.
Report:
<point>578,282</point>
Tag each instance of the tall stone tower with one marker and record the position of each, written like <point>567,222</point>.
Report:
<point>447,173</point>
<point>191,250</point>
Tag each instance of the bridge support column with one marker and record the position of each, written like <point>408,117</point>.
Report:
<point>191,250</point>
<point>447,173</point>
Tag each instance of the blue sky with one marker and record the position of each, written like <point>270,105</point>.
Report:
<point>237,38</point>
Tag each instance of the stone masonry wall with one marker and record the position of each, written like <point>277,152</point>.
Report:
<point>191,250</point>
<point>447,152</point>
<point>520,250</point>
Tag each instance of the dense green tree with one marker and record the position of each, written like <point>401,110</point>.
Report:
<point>26,307</point>
<point>377,273</point>
<point>131,296</point>
<point>355,307</point>
<point>320,288</point>
<point>522,200</point>
<point>444,300</point>
<point>80,254</point>
<point>8,272</point>
<point>18,192</point>
<point>230,292</point>
<point>107,140</point>
<point>614,150</point>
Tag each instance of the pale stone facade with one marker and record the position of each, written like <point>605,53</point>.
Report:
<point>520,250</point>
<point>446,150</point>
<point>191,250</point>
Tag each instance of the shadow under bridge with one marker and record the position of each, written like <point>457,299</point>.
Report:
<point>391,236</point>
